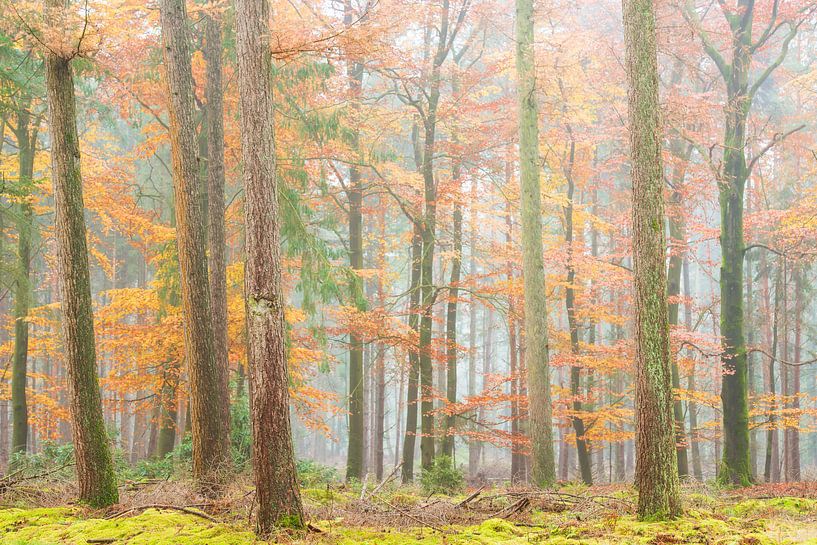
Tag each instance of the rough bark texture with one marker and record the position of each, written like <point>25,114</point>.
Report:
<point>209,428</point>
<point>543,472</point>
<point>277,494</point>
<point>26,142</point>
<point>95,474</point>
<point>656,475</point>
<point>216,262</point>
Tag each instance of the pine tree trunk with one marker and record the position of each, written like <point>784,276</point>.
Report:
<point>95,473</point>
<point>656,476</point>
<point>208,426</point>
<point>216,244</point>
<point>279,500</point>
<point>533,268</point>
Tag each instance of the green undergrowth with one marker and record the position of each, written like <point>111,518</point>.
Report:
<point>707,520</point>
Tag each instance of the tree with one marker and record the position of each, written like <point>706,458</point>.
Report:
<point>25,133</point>
<point>732,175</point>
<point>279,500</point>
<point>215,207</point>
<point>95,473</point>
<point>656,475</point>
<point>543,471</point>
<point>209,430</point>
<point>355,455</point>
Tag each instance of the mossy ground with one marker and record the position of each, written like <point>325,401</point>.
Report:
<point>709,518</point>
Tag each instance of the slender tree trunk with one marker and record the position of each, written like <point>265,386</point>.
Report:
<point>656,476</point>
<point>357,391</point>
<point>95,473</point>
<point>582,448</point>
<point>26,146</point>
<point>473,445</point>
<point>536,334</point>
<point>409,443</point>
<point>209,428</point>
<point>451,325</point>
<point>678,242</point>
<point>771,469</point>
<point>692,407</point>
<point>276,485</point>
<point>216,244</point>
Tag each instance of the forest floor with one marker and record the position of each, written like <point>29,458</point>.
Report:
<point>768,514</point>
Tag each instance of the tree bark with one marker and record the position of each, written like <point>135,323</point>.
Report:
<point>26,147</point>
<point>409,444</point>
<point>209,428</point>
<point>656,475</point>
<point>279,500</point>
<point>216,260</point>
<point>95,473</point>
<point>357,391</point>
<point>533,268</point>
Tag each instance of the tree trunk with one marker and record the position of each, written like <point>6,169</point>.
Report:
<point>409,444</point>
<point>26,145</point>
<point>279,500</point>
<point>209,428</point>
<point>582,450</point>
<point>216,244</point>
<point>95,473</point>
<point>656,475</point>
<point>692,407</point>
<point>357,391</point>
<point>678,242</point>
<point>533,268</point>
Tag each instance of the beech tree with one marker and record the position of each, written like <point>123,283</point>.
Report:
<point>543,471</point>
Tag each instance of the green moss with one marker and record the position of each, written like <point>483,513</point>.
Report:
<point>63,526</point>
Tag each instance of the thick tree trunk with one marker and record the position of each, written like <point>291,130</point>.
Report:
<point>26,146</point>
<point>656,475</point>
<point>209,428</point>
<point>216,244</point>
<point>279,500</point>
<point>95,473</point>
<point>533,268</point>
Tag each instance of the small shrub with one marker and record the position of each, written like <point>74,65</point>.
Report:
<point>314,475</point>
<point>443,477</point>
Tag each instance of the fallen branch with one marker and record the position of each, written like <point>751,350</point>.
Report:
<point>387,479</point>
<point>467,500</point>
<point>412,517</point>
